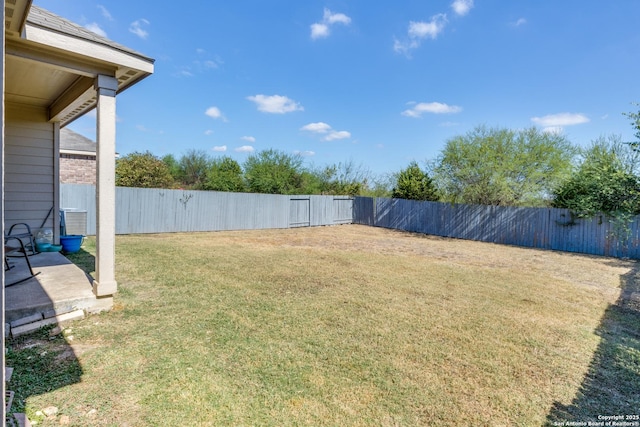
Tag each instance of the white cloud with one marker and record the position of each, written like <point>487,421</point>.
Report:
<point>95,28</point>
<point>432,107</point>
<point>560,119</point>
<point>318,127</point>
<point>336,18</point>
<point>220,148</point>
<point>462,7</point>
<point>275,104</point>
<point>250,139</point>
<point>329,134</point>
<point>245,149</point>
<point>136,28</point>
<point>215,113</point>
<point>333,135</point>
<point>210,64</point>
<point>319,31</point>
<point>431,29</point>
<point>208,132</point>
<point>419,31</point>
<point>519,22</point>
<point>184,72</point>
<point>305,153</point>
<point>322,29</point>
<point>105,12</point>
<point>205,62</point>
<point>143,128</point>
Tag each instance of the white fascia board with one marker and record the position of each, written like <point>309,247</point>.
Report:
<point>77,46</point>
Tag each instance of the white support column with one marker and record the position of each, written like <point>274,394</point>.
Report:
<point>105,282</point>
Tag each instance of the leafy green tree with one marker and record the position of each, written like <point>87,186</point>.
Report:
<point>344,178</point>
<point>605,182</point>
<point>310,181</point>
<point>635,123</point>
<point>414,184</point>
<point>273,172</point>
<point>193,166</point>
<point>379,185</point>
<point>142,170</point>
<point>224,174</point>
<point>497,166</point>
<point>174,167</point>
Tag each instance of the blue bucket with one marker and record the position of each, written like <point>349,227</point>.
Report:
<point>71,243</point>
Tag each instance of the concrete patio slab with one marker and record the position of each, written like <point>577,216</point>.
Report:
<point>60,287</point>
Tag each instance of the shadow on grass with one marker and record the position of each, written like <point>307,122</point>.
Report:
<point>85,260</point>
<point>612,385</point>
<point>44,361</point>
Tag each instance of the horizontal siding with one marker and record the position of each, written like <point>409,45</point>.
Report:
<point>29,166</point>
<point>19,162</point>
<point>41,177</point>
<point>20,196</point>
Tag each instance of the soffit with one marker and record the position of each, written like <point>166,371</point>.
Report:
<point>53,63</point>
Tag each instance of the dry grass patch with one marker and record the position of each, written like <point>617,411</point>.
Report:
<point>343,325</point>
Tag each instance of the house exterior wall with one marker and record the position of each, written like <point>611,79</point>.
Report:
<point>30,159</point>
<point>77,169</point>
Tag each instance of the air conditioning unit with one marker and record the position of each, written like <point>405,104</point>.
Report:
<point>73,221</point>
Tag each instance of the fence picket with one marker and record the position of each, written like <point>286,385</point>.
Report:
<point>158,211</point>
<point>543,228</point>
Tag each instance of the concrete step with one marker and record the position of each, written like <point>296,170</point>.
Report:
<point>61,286</point>
<point>34,322</point>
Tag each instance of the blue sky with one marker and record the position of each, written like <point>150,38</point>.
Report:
<point>376,83</point>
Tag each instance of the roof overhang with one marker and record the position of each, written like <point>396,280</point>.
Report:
<point>52,63</point>
<point>15,15</point>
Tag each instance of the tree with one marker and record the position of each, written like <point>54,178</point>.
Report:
<point>193,166</point>
<point>143,170</point>
<point>273,172</point>
<point>605,182</point>
<point>494,166</point>
<point>344,178</point>
<point>174,167</point>
<point>414,184</point>
<point>635,123</point>
<point>224,174</point>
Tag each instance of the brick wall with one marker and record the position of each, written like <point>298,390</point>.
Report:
<point>77,169</point>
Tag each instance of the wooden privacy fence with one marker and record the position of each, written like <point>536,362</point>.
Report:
<point>543,228</point>
<point>142,210</point>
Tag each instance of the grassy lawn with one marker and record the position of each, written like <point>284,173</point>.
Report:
<point>341,326</point>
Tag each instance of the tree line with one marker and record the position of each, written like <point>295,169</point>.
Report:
<point>487,165</point>
<point>269,171</point>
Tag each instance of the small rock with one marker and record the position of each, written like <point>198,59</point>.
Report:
<point>55,331</point>
<point>65,420</point>
<point>50,411</point>
<point>70,338</point>
<point>92,413</point>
